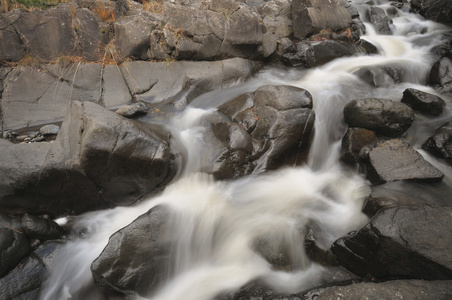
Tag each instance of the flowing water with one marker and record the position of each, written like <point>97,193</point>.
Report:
<point>220,221</point>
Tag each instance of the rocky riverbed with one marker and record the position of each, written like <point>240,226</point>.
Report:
<point>125,102</point>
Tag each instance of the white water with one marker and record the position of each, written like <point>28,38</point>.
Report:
<point>219,221</point>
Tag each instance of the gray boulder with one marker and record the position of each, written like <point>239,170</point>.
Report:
<point>312,16</point>
<point>136,268</point>
<point>441,75</point>
<point>132,110</point>
<point>440,144</point>
<point>403,242</point>
<point>384,116</point>
<point>395,160</point>
<point>14,245</point>
<point>98,156</point>
<point>11,48</point>
<point>424,102</point>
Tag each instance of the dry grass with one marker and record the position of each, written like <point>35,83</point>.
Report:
<point>153,6</point>
<point>105,12</point>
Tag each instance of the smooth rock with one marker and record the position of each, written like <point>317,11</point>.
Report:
<point>354,143</point>
<point>403,242</point>
<point>132,110</point>
<point>384,116</point>
<point>441,75</point>
<point>42,229</point>
<point>440,144</point>
<point>49,130</point>
<point>424,102</point>
<point>395,160</point>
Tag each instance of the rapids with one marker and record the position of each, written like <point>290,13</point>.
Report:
<point>216,221</point>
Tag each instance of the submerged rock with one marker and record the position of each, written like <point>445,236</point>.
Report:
<point>395,160</point>
<point>384,116</point>
<point>403,242</point>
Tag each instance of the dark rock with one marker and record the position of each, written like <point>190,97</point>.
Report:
<point>322,52</point>
<point>42,229</point>
<point>441,75</point>
<point>435,10</point>
<point>34,27</point>
<point>98,156</point>
<point>397,289</point>
<point>354,143</point>
<point>132,110</point>
<point>377,16</point>
<point>279,120</point>
<point>396,160</point>
<point>383,116</point>
<point>311,16</point>
<point>403,242</point>
<point>423,101</point>
<point>136,268</point>
<point>381,76</point>
<point>14,245</point>
<point>440,144</point>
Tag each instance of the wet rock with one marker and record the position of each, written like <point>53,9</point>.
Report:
<point>396,289</point>
<point>440,144</point>
<point>403,242</point>
<point>377,16</point>
<point>424,102</point>
<point>310,17</point>
<point>438,11</point>
<point>14,245</point>
<point>319,53</point>
<point>354,143</point>
<point>132,110</point>
<point>384,116</point>
<point>441,75</point>
<point>98,156</point>
<point>49,130</point>
<point>121,266</point>
<point>42,229</point>
<point>395,160</point>
<point>380,76</point>
<point>279,120</point>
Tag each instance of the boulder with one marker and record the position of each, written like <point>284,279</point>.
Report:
<point>132,110</point>
<point>403,242</point>
<point>312,16</point>
<point>11,47</point>
<point>441,75</point>
<point>50,129</point>
<point>377,16</point>
<point>136,268</point>
<point>395,289</point>
<point>98,156</point>
<point>440,144</point>
<point>42,229</point>
<point>14,245</point>
<point>382,76</point>
<point>384,116</point>
<point>354,143</point>
<point>395,160</point>
<point>424,102</point>
<point>280,122</point>
<point>321,52</point>
<point>438,11</point>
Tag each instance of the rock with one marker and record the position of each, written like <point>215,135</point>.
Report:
<point>115,91</point>
<point>132,110</point>
<point>279,120</point>
<point>49,130</point>
<point>14,245</point>
<point>395,289</point>
<point>403,242</point>
<point>383,116</point>
<point>438,11</point>
<point>395,160</point>
<point>322,52</point>
<point>381,76</point>
<point>312,16</point>
<point>441,75</point>
<point>121,266</point>
<point>423,101</point>
<point>11,47</point>
<point>42,229</point>
<point>98,156</point>
<point>440,144</point>
<point>354,143</point>
<point>377,16</point>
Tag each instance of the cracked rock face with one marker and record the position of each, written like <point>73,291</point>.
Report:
<point>98,156</point>
<point>403,242</point>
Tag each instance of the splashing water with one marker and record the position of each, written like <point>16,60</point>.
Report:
<point>216,224</point>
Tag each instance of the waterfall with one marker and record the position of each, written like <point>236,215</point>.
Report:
<point>216,223</point>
